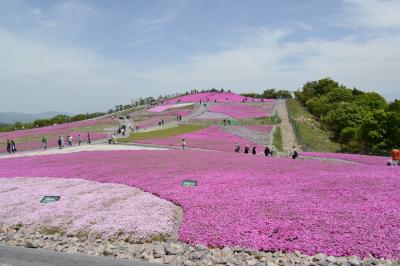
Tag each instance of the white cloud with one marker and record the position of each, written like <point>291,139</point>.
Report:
<point>374,14</point>
<point>37,76</point>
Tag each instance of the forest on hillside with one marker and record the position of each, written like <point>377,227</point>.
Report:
<point>360,121</point>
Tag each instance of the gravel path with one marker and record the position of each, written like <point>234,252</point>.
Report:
<point>288,136</point>
<point>258,137</point>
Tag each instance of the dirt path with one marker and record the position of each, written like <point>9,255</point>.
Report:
<point>288,136</point>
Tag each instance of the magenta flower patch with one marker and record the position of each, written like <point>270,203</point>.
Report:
<point>211,138</point>
<point>220,97</point>
<point>238,111</point>
<point>31,138</point>
<point>251,201</point>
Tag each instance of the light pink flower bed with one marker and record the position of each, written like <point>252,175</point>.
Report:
<point>162,108</point>
<point>31,138</point>
<point>358,158</point>
<point>238,111</point>
<point>251,201</point>
<point>213,96</point>
<point>85,206</point>
<point>211,138</point>
<point>264,129</point>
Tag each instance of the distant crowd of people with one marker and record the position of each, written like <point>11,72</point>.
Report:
<point>269,152</point>
<point>69,140</point>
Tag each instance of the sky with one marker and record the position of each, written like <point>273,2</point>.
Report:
<point>86,56</point>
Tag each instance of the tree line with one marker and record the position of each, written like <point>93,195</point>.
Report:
<point>56,120</point>
<point>270,94</point>
<point>362,122</point>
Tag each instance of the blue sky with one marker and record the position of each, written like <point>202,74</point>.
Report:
<point>79,56</point>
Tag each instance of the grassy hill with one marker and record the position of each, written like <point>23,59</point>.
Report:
<point>308,130</point>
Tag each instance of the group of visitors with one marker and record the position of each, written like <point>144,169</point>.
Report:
<point>395,156</point>
<point>70,141</point>
<point>179,118</point>
<point>11,147</point>
<point>161,122</point>
<point>122,130</point>
<point>271,152</point>
<point>227,121</point>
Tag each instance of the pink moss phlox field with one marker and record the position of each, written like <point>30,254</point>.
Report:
<point>358,158</point>
<point>52,132</point>
<point>212,97</point>
<point>211,138</point>
<point>251,201</point>
<point>238,111</point>
<point>264,129</point>
<point>84,205</point>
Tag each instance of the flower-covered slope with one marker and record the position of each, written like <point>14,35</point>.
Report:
<point>85,206</point>
<point>255,202</point>
<point>213,97</point>
<point>239,111</point>
<point>211,138</point>
<point>31,138</point>
<point>357,158</point>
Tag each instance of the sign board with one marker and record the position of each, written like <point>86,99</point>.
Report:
<point>50,199</point>
<point>189,183</point>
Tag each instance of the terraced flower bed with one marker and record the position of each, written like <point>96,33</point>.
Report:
<point>220,97</point>
<point>31,138</point>
<point>251,201</point>
<point>211,138</point>
<point>239,111</point>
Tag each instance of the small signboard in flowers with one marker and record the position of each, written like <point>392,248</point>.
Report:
<point>50,199</point>
<point>189,183</point>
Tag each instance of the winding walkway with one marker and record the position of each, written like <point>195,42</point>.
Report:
<point>288,136</point>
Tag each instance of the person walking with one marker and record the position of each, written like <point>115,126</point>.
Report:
<point>183,144</point>
<point>59,142</point>
<point>246,149</point>
<point>89,140</point>
<point>294,153</point>
<point>109,138</point>
<point>8,146</point>
<point>114,139</point>
<point>13,146</point>
<point>254,152</point>
<point>44,142</point>
<point>267,151</point>
<point>79,139</point>
<point>237,147</point>
<point>62,142</point>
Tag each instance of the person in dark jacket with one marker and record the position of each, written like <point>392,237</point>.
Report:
<point>13,146</point>
<point>267,151</point>
<point>254,152</point>
<point>246,149</point>
<point>8,146</point>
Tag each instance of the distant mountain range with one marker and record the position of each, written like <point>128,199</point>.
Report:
<point>12,117</point>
